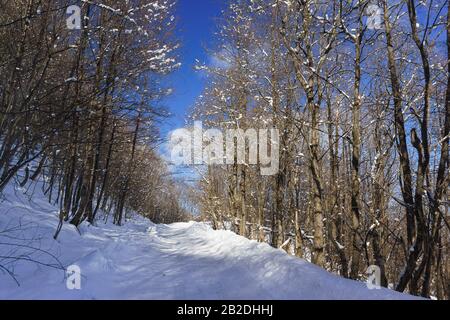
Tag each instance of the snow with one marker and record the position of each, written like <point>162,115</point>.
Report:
<point>340,246</point>
<point>142,260</point>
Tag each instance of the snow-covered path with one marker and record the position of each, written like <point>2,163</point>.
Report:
<point>141,260</point>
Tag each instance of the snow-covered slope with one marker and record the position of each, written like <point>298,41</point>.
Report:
<point>141,260</point>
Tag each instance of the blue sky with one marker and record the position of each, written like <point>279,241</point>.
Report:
<point>195,30</point>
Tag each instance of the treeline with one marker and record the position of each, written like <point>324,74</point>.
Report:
<point>362,108</point>
<point>79,106</point>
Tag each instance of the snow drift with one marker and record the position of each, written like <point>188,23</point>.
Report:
<point>141,260</point>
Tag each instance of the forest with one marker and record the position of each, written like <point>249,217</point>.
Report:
<point>363,115</point>
<point>358,91</point>
<point>82,109</point>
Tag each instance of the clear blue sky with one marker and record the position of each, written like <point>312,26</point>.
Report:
<point>195,30</point>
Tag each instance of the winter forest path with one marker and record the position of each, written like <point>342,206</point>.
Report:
<point>142,260</point>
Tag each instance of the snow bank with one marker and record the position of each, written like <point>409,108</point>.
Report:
<point>141,260</point>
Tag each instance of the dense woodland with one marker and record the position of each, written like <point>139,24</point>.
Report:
<point>363,117</point>
<point>363,113</point>
<point>81,107</point>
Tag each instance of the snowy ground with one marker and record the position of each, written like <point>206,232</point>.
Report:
<point>141,260</point>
